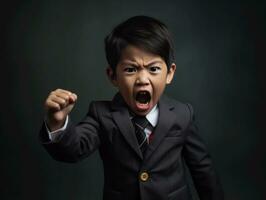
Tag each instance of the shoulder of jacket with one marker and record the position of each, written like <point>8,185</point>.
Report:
<point>183,110</point>
<point>101,104</point>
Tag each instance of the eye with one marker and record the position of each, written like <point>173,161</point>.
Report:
<point>130,69</point>
<point>155,69</point>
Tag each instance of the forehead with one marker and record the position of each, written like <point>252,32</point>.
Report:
<point>135,54</point>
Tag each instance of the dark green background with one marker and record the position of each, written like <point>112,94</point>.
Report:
<point>220,58</point>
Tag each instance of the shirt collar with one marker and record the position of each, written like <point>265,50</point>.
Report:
<point>153,116</point>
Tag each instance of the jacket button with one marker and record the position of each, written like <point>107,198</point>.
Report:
<point>144,176</point>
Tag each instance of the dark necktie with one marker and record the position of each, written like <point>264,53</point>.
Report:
<point>140,123</point>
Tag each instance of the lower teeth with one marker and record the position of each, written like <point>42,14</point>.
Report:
<point>144,103</point>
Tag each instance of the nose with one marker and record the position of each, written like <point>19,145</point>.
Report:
<point>142,78</point>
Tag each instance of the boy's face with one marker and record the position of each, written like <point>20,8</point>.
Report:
<point>140,78</point>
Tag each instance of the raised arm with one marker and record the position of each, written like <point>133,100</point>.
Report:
<point>75,142</point>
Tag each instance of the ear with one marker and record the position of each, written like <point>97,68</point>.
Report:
<point>111,76</point>
<point>170,74</point>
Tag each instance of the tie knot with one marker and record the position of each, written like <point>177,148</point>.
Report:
<point>140,121</point>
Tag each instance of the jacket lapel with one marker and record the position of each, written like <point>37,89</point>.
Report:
<point>166,119</point>
<point>122,119</point>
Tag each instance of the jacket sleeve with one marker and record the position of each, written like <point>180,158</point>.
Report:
<point>76,141</point>
<point>199,162</point>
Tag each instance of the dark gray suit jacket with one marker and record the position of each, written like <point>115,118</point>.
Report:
<point>108,128</point>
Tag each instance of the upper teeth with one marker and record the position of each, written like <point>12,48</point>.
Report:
<point>142,92</point>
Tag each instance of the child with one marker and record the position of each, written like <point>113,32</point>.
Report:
<point>144,138</point>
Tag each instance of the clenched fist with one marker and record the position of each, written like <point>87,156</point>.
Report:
<point>58,105</point>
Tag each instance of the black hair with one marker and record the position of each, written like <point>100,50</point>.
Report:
<point>143,32</point>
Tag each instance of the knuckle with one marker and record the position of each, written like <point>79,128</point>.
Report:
<point>51,96</point>
<point>64,96</point>
<point>48,104</point>
<point>55,105</point>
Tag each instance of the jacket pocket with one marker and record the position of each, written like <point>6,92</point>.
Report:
<point>174,137</point>
<point>175,134</point>
<point>179,194</point>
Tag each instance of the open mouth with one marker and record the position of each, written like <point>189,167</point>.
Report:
<point>143,97</point>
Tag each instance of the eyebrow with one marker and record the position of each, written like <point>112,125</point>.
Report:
<point>135,63</point>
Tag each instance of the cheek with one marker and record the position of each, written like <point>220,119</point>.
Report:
<point>159,86</point>
<point>126,85</point>
<point>160,82</point>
